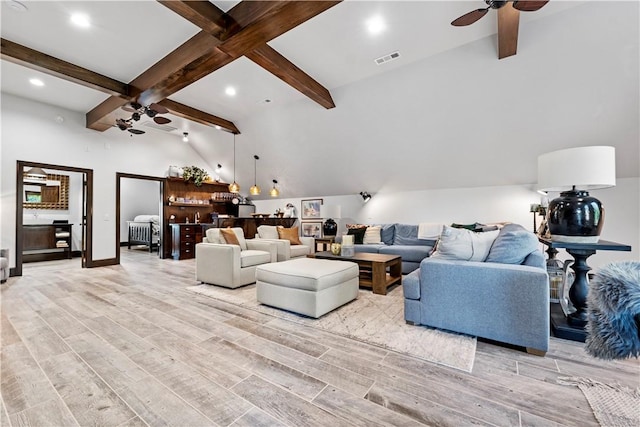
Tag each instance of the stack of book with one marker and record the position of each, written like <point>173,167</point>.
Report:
<point>62,244</point>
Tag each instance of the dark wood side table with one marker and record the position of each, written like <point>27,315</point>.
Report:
<point>572,327</point>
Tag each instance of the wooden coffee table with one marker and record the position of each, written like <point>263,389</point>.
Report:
<point>373,269</point>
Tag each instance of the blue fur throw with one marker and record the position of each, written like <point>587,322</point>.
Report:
<point>613,311</point>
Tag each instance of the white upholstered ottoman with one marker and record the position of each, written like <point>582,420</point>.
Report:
<point>308,286</point>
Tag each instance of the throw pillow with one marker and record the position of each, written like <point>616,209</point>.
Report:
<point>229,236</point>
<point>372,236</point>
<point>513,245</point>
<point>268,232</point>
<point>290,234</point>
<point>463,244</point>
<point>358,234</point>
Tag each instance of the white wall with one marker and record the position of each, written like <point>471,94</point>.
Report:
<point>30,133</point>
<point>137,197</point>
<point>486,205</point>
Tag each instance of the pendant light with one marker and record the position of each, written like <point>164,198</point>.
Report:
<point>235,187</point>
<point>255,190</point>
<point>274,191</point>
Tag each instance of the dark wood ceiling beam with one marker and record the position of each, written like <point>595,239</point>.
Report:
<point>203,14</point>
<point>27,57</point>
<point>508,23</point>
<point>249,26</point>
<point>187,55</point>
<point>241,18</point>
<point>181,110</point>
<point>280,18</point>
<point>272,61</point>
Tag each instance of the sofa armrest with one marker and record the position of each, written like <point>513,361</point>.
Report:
<point>217,262</point>
<point>505,302</point>
<point>309,241</point>
<point>283,248</point>
<point>264,245</point>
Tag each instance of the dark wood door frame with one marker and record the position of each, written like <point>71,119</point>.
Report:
<point>119,176</point>
<point>88,221</point>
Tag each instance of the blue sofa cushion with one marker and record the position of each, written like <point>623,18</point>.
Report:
<point>408,253</point>
<point>370,249</point>
<point>512,246</point>
<point>387,233</point>
<point>406,234</point>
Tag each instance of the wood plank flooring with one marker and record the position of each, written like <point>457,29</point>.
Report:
<point>127,345</point>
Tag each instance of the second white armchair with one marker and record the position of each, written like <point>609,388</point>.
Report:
<point>286,249</point>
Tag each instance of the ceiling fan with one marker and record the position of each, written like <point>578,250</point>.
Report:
<point>137,111</point>
<point>474,15</point>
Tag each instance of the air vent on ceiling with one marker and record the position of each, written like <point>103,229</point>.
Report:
<point>154,125</point>
<point>388,58</point>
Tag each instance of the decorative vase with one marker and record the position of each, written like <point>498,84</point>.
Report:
<point>335,248</point>
<point>330,228</point>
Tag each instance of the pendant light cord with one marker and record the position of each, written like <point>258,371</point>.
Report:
<point>234,157</point>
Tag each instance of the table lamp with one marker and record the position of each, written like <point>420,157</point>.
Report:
<point>576,217</point>
<point>330,228</point>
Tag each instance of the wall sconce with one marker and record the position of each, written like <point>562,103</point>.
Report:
<point>274,192</point>
<point>218,168</point>
<point>185,137</point>
<point>365,196</point>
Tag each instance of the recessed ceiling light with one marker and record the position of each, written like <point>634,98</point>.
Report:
<point>81,20</point>
<point>376,25</point>
<point>231,91</point>
<point>36,82</point>
<point>218,127</point>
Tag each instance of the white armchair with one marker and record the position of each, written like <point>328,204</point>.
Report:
<point>285,249</point>
<point>231,266</point>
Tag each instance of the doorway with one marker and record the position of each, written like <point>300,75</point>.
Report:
<point>46,195</point>
<point>148,194</point>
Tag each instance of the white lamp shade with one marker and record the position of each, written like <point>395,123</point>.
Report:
<point>330,211</point>
<point>586,168</point>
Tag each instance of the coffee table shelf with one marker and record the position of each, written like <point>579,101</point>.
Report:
<point>373,269</point>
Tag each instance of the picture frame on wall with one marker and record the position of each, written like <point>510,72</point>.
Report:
<point>311,229</point>
<point>310,209</point>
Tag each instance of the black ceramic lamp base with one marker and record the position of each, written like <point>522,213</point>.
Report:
<point>575,217</point>
<point>330,228</point>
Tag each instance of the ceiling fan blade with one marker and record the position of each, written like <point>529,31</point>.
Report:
<point>508,23</point>
<point>128,109</point>
<point>136,131</point>
<point>529,5</point>
<point>136,105</point>
<point>469,18</point>
<point>158,108</point>
<point>161,120</point>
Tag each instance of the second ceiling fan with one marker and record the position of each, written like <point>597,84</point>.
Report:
<point>508,21</point>
<point>138,111</point>
<point>474,15</point>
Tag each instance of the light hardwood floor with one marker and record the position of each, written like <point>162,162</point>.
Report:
<point>128,345</point>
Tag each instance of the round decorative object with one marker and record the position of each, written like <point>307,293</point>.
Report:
<point>335,248</point>
<point>575,217</point>
<point>235,200</point>
<point>330,228</point>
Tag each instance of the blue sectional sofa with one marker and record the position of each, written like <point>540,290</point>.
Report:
<point>504,298</point>
<point>401,239</point>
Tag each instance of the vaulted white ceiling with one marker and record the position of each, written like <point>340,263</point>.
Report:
<point>447,113</point>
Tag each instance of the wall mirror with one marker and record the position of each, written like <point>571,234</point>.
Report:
<point>45,191</point>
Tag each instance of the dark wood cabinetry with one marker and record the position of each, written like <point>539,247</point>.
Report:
<point>45,242</point>
<point>185,203</point>
<point>183,240</point>
<point>188,213</point>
